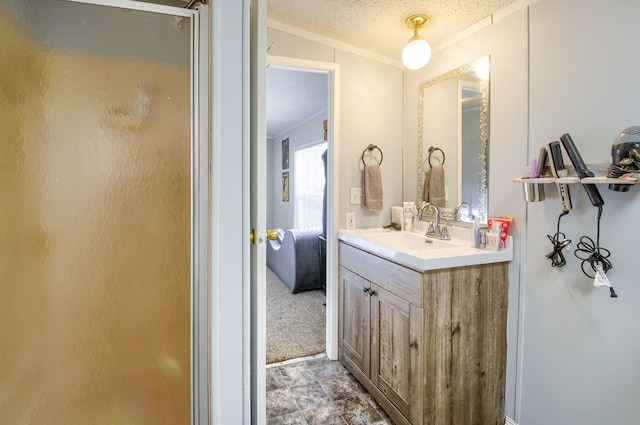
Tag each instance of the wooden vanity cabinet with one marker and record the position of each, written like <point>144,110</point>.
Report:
<point>430,347</point>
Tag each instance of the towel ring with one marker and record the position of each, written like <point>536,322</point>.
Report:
<point>431,150</point>
<point>371,148</point>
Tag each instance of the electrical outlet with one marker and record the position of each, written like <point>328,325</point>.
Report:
<point>351,220</point>
<point>356,195</point>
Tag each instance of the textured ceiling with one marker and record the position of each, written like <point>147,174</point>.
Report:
<point>378,25</point>
<point>293,97</point>
<point>373,25</point>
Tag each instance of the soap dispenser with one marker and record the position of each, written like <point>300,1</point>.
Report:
<point>476,231</point>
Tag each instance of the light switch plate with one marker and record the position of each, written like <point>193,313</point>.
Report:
<point>351,220</point>
<point>356,195</point>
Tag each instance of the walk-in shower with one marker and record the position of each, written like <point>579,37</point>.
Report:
<point>96,214</point>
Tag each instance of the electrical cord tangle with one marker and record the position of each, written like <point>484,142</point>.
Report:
<point>593,254</point>
<point>559,242</point>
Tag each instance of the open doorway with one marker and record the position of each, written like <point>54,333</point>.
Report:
<point>297,110</point>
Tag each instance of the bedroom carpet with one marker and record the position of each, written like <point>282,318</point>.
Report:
<point>295,322</point>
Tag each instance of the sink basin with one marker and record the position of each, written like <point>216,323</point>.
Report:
<point>408,241</point>
<point>412,250</point>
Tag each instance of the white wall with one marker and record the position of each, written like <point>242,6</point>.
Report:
<point>280,214</point>
<point>581,349</point>
<point>578,362</point>
<point>370,113</point>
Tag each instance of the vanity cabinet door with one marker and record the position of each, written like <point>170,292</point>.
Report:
<point>396,329</point>
<point>354,323</point>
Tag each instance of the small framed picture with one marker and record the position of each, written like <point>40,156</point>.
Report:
<point>285,186</point>
<point>285,154</point>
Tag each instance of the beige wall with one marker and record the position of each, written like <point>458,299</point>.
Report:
<point>370,113</point>
<point>281,214</point>
<point>95,258</point>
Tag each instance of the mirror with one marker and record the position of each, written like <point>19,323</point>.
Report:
<point>453,140</point>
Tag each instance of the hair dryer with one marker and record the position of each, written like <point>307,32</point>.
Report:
<point>625,156</point>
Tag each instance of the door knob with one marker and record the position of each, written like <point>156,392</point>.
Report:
<point>272,235</point>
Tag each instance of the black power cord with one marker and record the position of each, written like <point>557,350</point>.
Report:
<point>556,256</point>
<point>593,254</point>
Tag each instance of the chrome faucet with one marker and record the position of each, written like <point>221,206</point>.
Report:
<point>435,229</point>
<point>427,206</point>
<point>460,206</point>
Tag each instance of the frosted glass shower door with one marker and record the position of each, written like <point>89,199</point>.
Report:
<point>95,215</point>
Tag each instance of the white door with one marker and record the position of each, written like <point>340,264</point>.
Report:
<point>258,208</point>
<point>257,202</point>
<point>230,227</point>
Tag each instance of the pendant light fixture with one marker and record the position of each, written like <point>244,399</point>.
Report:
<point>417,52</point>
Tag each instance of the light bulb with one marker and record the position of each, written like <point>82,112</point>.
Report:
<point>417,53</point>
<point>481,67</point>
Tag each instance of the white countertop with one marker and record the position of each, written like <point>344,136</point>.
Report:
<point>411,250</point>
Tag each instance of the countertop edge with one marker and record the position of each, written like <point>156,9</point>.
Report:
<point>466,256</point>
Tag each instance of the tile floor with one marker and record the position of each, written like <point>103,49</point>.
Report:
<point>318,391</point>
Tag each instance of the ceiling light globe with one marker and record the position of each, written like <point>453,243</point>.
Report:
<point>481,68</point>
<point>417,53</point>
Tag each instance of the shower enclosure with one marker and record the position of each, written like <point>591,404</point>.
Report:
<point>99,221</point>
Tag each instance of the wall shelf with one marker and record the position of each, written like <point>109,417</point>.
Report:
<point>547,180</point>
<point>600,177</point>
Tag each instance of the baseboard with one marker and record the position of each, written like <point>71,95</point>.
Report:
<point>509,421</point>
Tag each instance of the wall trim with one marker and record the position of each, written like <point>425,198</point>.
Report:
<point>332,43</point>
<point>509,421</point>
<point>483,23</point>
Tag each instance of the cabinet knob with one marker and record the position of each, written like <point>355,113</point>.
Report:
<point>369,291</point>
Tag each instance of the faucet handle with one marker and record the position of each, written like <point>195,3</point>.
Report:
<point>444,232</point>
<point>431,228</point>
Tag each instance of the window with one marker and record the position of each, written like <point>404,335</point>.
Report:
<point>309,186</point>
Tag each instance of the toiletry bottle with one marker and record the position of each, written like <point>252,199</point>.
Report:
<point>496,229</point>
<point>407,220</point>
<point>408,208</point>
<point>476,231</point>
<point>414,216</point>
<point>493,237</point>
